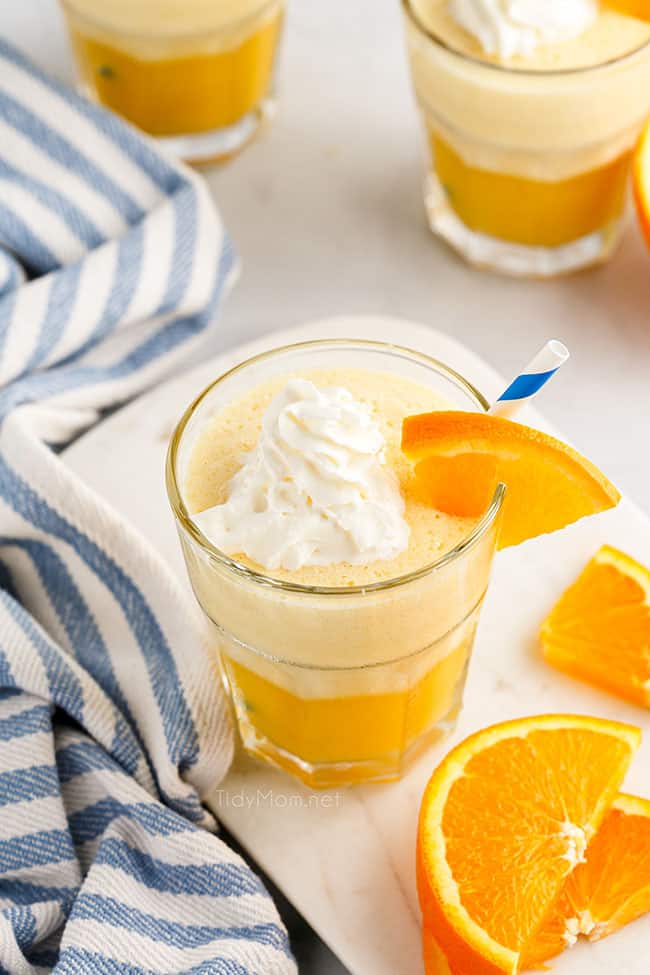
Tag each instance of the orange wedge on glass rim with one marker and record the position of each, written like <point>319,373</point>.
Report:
<point>631,8</point>
<point>460,458</point>
<point>599,630</point>
<point>505,818</point>
<point>641,181</point>
<point>609,890</point>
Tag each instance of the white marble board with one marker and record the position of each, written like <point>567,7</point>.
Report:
<point>345,859</point>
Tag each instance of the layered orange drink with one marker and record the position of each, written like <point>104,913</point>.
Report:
<point>531,112</point>
<point>196,74</point>
<point>344,606</point>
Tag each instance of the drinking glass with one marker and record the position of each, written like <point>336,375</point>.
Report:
<point>528,169</point>
<point>197,75</point>
<point>337,684</point>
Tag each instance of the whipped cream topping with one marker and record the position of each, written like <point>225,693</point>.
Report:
<point>518,27</point>
<point>315,490</point>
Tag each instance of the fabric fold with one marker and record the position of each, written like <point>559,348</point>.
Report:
<point>113,724</point>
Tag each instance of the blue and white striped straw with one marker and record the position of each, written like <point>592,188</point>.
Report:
<point>529,382</point>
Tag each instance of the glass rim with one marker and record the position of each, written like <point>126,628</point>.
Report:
<point>149,35</point>
<point>187,523</point>
<point>505,69</point>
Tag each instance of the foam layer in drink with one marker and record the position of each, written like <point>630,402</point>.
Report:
<point>142,24</point>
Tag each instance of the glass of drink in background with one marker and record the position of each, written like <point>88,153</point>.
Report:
<point>346,680</point>
<point>530,153</point>
<point>197,75</point>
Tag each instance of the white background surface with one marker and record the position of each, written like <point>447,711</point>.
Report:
<point>326,214</point>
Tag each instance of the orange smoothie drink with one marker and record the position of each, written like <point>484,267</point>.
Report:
<point>344,607</point>
<point>531,112</point>
<point>197,74</point>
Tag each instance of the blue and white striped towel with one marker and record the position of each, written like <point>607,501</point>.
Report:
<point>112,265</point>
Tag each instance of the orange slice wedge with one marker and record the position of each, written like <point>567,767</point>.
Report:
<point>610,889</point>
<point>460,457</point>
<point>504,820</point>
<point>641,181</point>
<point>435,960</point>
<point>600,628</point>
<point>631,8</point>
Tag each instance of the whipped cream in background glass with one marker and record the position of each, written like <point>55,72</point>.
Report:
<point>508,28</point>
<point>315,489</point>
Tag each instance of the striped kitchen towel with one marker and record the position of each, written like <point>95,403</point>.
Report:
<point>113,263</point>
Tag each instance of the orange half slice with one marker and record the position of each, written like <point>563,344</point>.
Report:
<point>504,820</point>
<point>641,182</point>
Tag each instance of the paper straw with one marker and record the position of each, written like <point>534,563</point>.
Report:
<point>529,382</point>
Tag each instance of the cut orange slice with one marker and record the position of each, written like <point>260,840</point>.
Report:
<point>435,960</point>
<point>600,628</point>
<point>504,820</point>
<point>632,8</point>
<point>641,181</point>
<point>610,889</point>
<point>460,457</point>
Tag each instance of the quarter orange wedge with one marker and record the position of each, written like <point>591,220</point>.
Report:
<point>631,8</point>
<point>504,819</point>
<point>600,628</point>
<point>460,457</point>
<point>641,181</point>
<point>607,891</point>
<point>435,960</point>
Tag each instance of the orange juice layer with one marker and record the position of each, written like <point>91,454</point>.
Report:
<point>529,211</point>
<point>179,95</point>
<point>356,728</point>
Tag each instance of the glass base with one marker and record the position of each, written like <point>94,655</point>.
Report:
<point>333,775</point>
<point>216,145</point>
<point>508,257</point>
<point>364,725</point>
<point>219,145</point>
<point>330,775</point>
